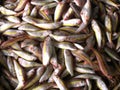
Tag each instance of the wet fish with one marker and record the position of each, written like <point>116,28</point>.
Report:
<point>28,27</point>
<point>47,51</point>
<point>65,45</point>
<point>98,33</point>
<point>59,10</point>
<point>39,72</point>
<point>69,62</point>
<point>10,42</point>
<point>76,83</point>
<point>70,38</point>
<point>21,5</point>
<point>28,64</point>
<point>59,83</point>
<point>112,53</point>
<point>13,32</point>
<point>43,86</point>
<point>13,19</point>
<point>6,11</point>
<point>6,26</point>
<point>46,74</point>
<point>101,84</point>
<point>19,73</point>
<point>71,22</point>
<point>25,55</point>
<point>11,66</point>
<point>39,34</point>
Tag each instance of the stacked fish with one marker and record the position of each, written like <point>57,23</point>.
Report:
<point>59,45</point>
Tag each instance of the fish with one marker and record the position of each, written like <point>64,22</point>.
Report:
<point>46,74</point>
<point>43,86</point>
<point>59,83</point>
<point>13,19</point>
<point>113,54</point>
<point>10,42</point>
<point>6,11</point>
<point>69,61</point>
<point>25,55</point>
<point>71,22</point>
<point>38,74</point>
<point>20,74</point>
<point>59,10</point>
<point>98,33</point>
<point>47,51</point>
<point>28,64</point>
<point>21,5</point>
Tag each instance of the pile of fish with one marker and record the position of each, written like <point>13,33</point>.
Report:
<point>60,44</point>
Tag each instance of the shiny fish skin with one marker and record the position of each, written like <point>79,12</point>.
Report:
<point>11,66</point>
<point>84,70</point>
<point>71,22</point>
<point>70,38</point>
<point>69,62</point>
<point>50,26</point>
<point>86,12</point>
<point>13,19</point>
<point>47,51</point>
<point>28,27</point>
<point>97,31</point>
<point>46,74</point>
<point>43,86</point>
<point>34,12</point>
<point>21,5</point>
<point>39,72</point>
<point>6,11</point>
<point>13,40</point>
<point>60,83</point>
<point>13,32</point>
<point>65,45</point>
<point>58,10</point>
<point>59,44</point>
<point>25,55</point>
<point>6,26</point>
<point>101,84</point>
<point>112,53</point>
<point>42,34</point>
<point>90,76</point>
<point>76,83</point>
<point>28,64</point>
<point>108,25</point>
<point>19,73</point>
